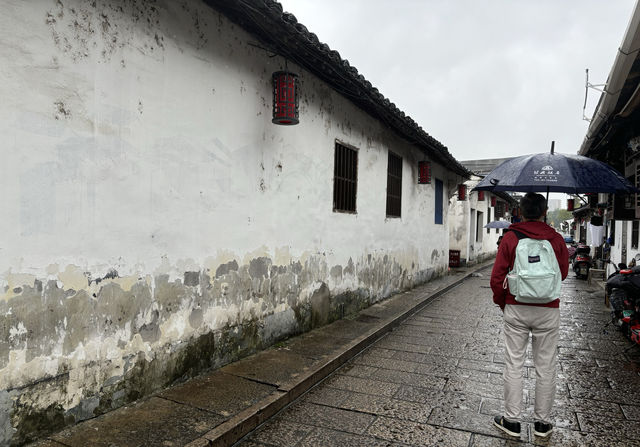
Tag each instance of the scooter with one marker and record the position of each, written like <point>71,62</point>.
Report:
<point>616,289</point>
<point>623,290</point>
<point>582,261</point>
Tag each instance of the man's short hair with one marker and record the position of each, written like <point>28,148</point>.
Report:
<point>533,206</point>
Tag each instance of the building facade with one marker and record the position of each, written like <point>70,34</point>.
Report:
<point>613,137</point>
<point>157,223</point>
<point>470,211</point>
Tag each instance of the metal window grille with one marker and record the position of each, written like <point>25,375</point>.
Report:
<point>345,179</point>
<point>394,185</point>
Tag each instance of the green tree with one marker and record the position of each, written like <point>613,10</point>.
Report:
<point>555,217</point>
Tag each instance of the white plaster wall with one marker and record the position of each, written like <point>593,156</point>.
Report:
<point>461,236</point>
<point>488,246</point>
<point>616,249</point>
<point>459,210</point>
<point>146,147</point>
<point>481,250</point>
<point>146,158</point>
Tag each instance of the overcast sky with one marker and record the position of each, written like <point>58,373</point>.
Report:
<point>488,79</point>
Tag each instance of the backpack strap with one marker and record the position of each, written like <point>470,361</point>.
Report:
<point>519,234</point>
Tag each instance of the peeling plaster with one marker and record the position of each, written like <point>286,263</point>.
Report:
<point>73,277</point>
<point>105,300</point>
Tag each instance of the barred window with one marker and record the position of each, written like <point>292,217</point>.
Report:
<point>499,212</point>
<point>394,185</point>
<point>345,179</point>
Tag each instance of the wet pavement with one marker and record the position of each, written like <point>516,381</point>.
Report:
<point>436,379</point>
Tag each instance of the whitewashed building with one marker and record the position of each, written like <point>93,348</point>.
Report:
<point>469,241</point>
<point>156,222</point>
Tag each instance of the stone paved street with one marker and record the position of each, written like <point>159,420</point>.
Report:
<point>437,380</point>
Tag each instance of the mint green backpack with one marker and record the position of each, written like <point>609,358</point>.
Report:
<point>535,278</point>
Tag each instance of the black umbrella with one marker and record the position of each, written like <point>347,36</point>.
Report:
<point>573,174</point>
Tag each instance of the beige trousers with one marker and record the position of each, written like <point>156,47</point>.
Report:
<point>544,325</point>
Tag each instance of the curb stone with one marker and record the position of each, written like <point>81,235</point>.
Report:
<point>240,425</point>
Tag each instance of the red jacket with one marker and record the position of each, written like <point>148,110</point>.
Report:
<point>507,254</point>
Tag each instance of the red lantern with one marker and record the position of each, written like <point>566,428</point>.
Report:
<point>480,195</point>
<point>285,98</point>
<point>570,205</point>
<point>462,192</point>
<point>424,172</point>
<point>493,201</point>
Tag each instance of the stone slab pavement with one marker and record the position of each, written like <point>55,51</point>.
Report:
<point>221,407</point>
<point>436,380</point>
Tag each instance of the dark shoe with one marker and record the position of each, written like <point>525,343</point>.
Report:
<point>541,429</point>
<point>510,428</point>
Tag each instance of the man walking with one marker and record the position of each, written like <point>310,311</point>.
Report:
<point>541,319</point>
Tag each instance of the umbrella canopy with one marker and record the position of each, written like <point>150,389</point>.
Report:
<point>498,224</point>
<point>573,174</point>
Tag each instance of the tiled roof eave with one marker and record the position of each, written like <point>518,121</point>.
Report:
<point>284,35</point>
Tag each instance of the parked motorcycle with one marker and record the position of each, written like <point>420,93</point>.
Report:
<point>582,261</point>
<point>623,290</point>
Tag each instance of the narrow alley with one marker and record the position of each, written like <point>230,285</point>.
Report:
<point>437,380</point>
<point>271,223</point>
